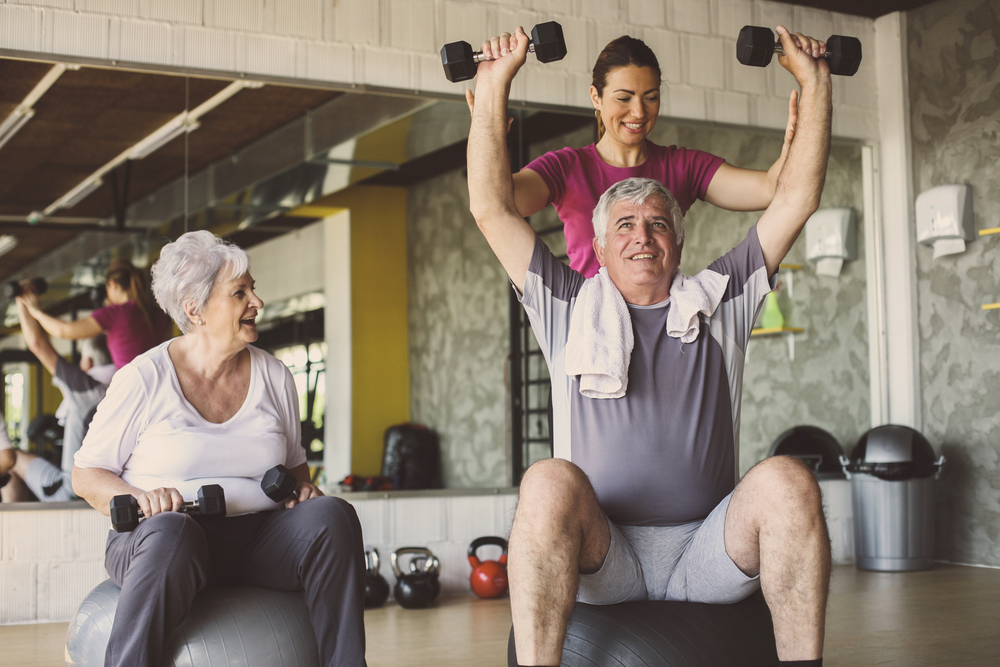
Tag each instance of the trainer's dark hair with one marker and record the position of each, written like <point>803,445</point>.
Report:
<point>621,52</point>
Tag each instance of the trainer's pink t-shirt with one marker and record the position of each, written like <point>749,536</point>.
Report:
<point>128,333</point>
<point>577,177</point>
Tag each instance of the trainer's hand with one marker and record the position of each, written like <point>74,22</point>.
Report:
<point>505,54</point>
<point>164,499</point>
<point>303,492</point>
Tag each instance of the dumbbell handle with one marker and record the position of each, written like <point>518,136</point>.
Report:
<point>781,51</point>
<point>188,507</point>
<point>478,57</point>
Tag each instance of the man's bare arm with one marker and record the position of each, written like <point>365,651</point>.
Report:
<point>800,183</point>
<point>491,188</point>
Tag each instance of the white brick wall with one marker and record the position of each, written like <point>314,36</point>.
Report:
<point>50,559</point>
<point>393,43</point>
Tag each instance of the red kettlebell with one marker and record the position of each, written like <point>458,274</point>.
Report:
<point>488,579</point>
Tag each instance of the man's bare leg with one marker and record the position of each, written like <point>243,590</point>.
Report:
<point>16,491</point>
<point>559,532</point>
<point>775,527</point>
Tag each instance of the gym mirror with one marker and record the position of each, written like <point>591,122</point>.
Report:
<point>429,335</point>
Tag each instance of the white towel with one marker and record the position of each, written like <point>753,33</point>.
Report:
<point>599,345</point>
<point>689,296</point>
<point>600,341</point>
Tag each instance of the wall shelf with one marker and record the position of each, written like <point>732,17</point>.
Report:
<point>788,332</point>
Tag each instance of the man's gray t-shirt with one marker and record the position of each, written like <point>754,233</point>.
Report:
<point>667,452</point>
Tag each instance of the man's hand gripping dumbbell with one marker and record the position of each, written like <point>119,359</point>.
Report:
<point>125,510</point>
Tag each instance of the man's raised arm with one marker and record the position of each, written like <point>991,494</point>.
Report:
<point>800,183</point>
<point>491,187</point>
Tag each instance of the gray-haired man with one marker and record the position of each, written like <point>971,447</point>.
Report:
<point>641,500</point>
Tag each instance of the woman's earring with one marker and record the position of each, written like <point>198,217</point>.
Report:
<point>201,323</point>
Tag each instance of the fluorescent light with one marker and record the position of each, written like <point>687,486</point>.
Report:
<point>14,122</point>
<point>7,243</point>
<point>163,136</point>
<point>78,194</point>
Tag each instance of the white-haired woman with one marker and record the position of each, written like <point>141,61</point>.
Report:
<point>208,408</point>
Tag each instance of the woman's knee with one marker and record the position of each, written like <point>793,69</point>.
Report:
<point>175,535</point>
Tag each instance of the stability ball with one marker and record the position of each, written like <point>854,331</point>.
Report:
<point>668,634</point>
<point>250,627</point>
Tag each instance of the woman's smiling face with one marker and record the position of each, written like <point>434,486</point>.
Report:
<point>231,310</point>
<point>630,103</point>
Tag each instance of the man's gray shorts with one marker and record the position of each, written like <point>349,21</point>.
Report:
<point>687,563</point>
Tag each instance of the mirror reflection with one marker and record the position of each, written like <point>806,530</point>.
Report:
<point>380,293</point>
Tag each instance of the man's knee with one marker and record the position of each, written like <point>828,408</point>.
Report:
<point>787,485</point>
<point>553,482</point>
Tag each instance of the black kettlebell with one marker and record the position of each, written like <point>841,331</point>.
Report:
<point>413,590</point>
<point>376,587</point>
<point>431,568</point>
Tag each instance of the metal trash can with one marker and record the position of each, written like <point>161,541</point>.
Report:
<point>893,473</point>
<point>814,446</point>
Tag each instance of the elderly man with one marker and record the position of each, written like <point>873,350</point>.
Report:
<point>82,387</point>
<point>641,500</point>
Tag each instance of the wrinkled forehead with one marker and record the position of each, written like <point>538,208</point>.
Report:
<point>653,206</point>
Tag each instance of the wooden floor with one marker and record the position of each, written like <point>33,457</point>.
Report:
<point>947,616</point>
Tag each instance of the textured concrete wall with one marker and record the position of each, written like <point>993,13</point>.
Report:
<point>954,65</point>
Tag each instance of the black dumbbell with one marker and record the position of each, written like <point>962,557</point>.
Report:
<point>756,45</point>
<point>460,61</point>
<point>125,512</point>
<point>13,288</point>
<point>376,587</point>
<point>279,484</point>
<point>415,590</point>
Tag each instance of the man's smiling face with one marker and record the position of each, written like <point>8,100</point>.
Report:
<point>641,250</point>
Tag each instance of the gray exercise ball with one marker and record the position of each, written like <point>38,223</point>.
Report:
<point>251,627</point>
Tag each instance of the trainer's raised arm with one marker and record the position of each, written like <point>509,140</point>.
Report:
<point>800,183</point>
<point>491,187</point>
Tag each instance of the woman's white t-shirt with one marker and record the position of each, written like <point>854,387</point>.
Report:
<point>146,432</point>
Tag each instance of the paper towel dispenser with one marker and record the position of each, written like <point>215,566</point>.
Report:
<point>944,218</point>
<point>831,238</point>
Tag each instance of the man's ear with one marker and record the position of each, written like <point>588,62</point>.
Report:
<point>598,248</point>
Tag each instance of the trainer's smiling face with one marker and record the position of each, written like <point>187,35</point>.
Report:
<point>641,251</point>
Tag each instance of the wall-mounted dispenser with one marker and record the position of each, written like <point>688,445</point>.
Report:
<point>831,238</point>
<point>944,218</point>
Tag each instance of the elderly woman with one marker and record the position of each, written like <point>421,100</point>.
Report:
<point>208,408</point>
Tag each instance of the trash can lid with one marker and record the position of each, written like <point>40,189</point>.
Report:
<point>893,452</point>
<point>812,445</point>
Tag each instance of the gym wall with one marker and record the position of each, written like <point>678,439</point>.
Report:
<point>954,65</point>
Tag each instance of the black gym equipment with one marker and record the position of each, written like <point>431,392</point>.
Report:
<point>460,61</point>
<point>756,45</point>
<point>13,288</point>
<point>419,587</point>
<point>125,512</point>
<point>376,587</point>
<point>668,634</point>
<point>279,483</point>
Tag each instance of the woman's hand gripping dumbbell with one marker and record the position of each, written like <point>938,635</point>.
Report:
<point>125,510</point>
<point>280,485</point>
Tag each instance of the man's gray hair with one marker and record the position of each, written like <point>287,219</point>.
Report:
<point>95,348</point>
<point>636,191</point>
<point>187,269</point>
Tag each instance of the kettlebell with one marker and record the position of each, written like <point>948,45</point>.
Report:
<point>376,587</point>
<point>431,567</point>
<point>413,590</point>
<point>488,578</point>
